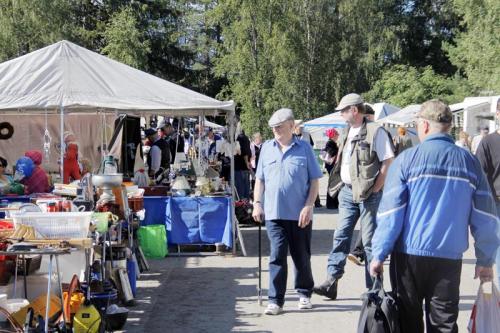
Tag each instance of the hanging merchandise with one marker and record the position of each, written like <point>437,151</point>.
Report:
<point>6,131</point>
<point>47,139</point>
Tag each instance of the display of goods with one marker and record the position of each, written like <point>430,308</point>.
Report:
<point>63,225</point>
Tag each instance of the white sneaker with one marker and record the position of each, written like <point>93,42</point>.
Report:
<point>305,303</point>
<point>273,309</point>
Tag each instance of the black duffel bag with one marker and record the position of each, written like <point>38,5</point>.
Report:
<point>379,313</point>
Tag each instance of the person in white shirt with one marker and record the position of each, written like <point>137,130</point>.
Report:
<point>476,140</point>
<point>365,154</point>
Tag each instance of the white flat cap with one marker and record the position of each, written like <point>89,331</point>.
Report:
<point>349,100</point>
<point>280,116</point>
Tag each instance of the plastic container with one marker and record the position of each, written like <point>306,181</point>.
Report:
<point>101,300</point>
<point>56,225</point>
<point>136,204</point>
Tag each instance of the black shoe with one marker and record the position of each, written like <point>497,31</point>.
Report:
<point>327,288</point>
<point>358,260</point>
<point>318,205</point>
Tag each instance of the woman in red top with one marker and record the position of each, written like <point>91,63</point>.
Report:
<point>71,167</point>
<point>38,182</point>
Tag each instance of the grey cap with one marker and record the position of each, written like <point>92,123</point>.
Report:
<point>437,111</point>
<point>280,116</point>
<point>349,100</point>
<point>163,123</point>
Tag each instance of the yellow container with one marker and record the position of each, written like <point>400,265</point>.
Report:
<point>39,305</point>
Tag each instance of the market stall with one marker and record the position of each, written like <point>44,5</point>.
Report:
<point>64,80</point>
<point>67,79</point>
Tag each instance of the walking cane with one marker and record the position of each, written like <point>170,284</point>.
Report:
<point>259,290</point>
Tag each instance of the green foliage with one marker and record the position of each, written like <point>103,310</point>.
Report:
<point>476,50</point>
<point>403,85</point>
<point>267,54</point>
<point>301,54</point>
<point>124,42</point>
<point>28,25</point>
<point>425,26</point>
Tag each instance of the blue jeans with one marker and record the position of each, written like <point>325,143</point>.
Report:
<point>242,183</point>
<point>349,213</point>
<point>284,235</point>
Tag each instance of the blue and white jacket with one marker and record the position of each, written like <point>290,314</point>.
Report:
<point>433,193</point>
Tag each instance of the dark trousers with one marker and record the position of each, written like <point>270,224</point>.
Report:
<point>434,280</point>
<point>359,250</point>
<point>284,235</point>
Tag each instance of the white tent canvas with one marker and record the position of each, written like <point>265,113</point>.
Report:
<point>382,110</point>
<point>69,76</point>
<point>403,117</point>
<point>328,121</point>
<point>318,126</point>
<point>474,113</point>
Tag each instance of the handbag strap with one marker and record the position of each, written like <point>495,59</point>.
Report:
<point>74,285</point>
<point>13,322</point>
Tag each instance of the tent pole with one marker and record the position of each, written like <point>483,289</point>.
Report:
<point>231,140</point>
<point>63,145</point>
<point>200,133</point>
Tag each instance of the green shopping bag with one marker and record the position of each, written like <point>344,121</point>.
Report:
<point>153,240</point>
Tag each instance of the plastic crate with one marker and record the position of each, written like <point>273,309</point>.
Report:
<point>56,225</point>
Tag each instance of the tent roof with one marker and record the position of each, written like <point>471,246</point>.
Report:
<point>472,103</point>
<point>67,75</point>
<point>402,117</point>
<point>384,109</point>
<point>330,120</point>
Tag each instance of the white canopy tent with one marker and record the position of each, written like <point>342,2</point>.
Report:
<point>382,110</point>
<point>474,113</point>
<point>318,126</point>
<point>66,78</point>
<point>403,117</point>
<point>65,75</point>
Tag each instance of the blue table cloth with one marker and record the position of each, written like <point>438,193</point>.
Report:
<point>5,200</point>
<point>191,220</point>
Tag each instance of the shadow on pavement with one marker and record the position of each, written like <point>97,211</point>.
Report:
<point>178,297</point>
<point>322,241</point>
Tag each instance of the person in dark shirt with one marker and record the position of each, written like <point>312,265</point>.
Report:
<point>329,156</point>
<point>488,154</point>
<point>174,140</point>
<point>242,166</point>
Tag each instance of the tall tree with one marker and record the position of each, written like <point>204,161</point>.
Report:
<point>404,85</point>
<point>426,26</point>
<point>303,54</point>
<point>476,50</point>
<point>124,42</point>
<point>29,25</point>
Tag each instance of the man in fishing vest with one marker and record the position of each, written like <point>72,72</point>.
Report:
<point>365,153</point>
<point>159,154</point>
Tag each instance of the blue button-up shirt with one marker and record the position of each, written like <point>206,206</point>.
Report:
<point>287,178</point>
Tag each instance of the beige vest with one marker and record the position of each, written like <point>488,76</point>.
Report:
<point>365,165</point>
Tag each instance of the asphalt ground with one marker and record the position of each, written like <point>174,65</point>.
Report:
<point>206,292</point>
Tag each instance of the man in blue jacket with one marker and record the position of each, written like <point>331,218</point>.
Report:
<point>433,193</point>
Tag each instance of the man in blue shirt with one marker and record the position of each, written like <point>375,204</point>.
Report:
<point>433,194</point>
<point>286,186</point>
